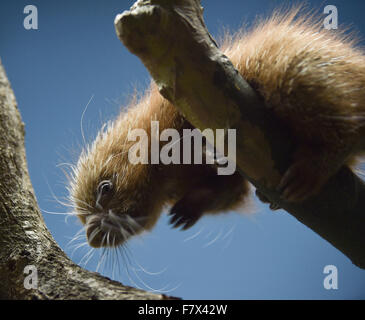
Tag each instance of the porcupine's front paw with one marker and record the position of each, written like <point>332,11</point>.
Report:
<point>303,179</point>
<point>184,214</point>
<point>191,207</point>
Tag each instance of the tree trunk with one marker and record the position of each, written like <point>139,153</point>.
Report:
<point>24,238</point>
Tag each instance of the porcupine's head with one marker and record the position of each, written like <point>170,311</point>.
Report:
<point>107,191</point>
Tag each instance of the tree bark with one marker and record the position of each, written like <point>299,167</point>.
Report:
<point>24,238</point>
<point>171,39</point>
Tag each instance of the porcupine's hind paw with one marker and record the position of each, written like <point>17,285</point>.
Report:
<point>262,198</point>
<point>303,179</point>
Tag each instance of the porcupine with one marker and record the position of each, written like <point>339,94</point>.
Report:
<point>313,80</point>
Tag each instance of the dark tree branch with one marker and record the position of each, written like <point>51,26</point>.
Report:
<point>171,39</point>
<point>24,238</point>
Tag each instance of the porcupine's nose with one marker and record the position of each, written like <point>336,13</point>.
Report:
<point>103,232</point>
<point>94,236</point>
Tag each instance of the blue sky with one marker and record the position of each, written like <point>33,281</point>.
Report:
<point>75,55</point>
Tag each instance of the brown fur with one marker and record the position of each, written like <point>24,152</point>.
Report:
<point>311,78</point>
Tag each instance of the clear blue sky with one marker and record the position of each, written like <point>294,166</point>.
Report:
<point>74,55</point>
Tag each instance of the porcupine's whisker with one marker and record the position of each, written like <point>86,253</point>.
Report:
<point>214,240</point>
<point>83,244</point>
<point>125,252</point>
<point>124,232</point>
<point>115,257</point>
<point>82,119</point>
<point>229,237</point>
<point>116,252</point>
<point>194,235</point>
<point>66,164</point>
<point>78,234</point>
<point>63,213</point>
<point>229,232</point>
<point>130,225</point>
<point>144,270</point>
<point>85,259</point>
<point>80,237</point>
<point>74,200</point>
<point>102,256</point>
<point>56,198</point>
<point>161,290</point>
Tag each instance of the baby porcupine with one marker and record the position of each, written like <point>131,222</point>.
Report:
<point>313,80</point>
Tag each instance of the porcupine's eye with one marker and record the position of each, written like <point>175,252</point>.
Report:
<point>104,192</point>
<point>104,187</point>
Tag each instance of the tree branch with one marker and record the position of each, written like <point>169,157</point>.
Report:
<point>24,238</point>
<point>171,39</point>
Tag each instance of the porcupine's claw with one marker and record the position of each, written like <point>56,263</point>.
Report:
<point>184,215</point>
<point>262,198</point>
